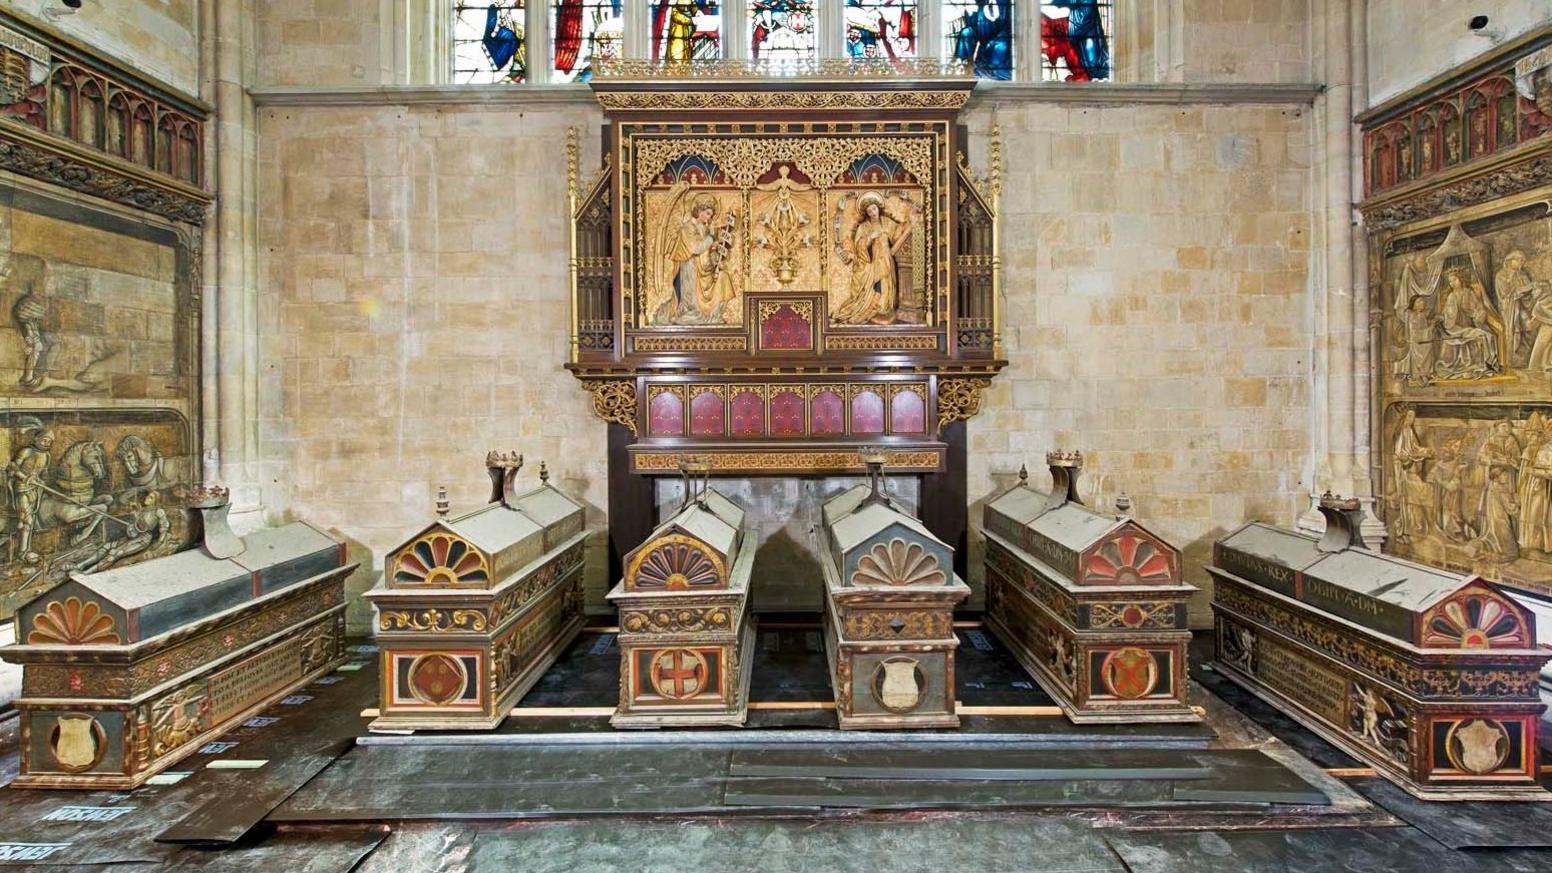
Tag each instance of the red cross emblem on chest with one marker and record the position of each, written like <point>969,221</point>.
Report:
<point>678,673</point>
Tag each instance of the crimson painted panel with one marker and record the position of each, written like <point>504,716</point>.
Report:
<point>706,414</point>
<point>908,413</point>
<point>665,415</point>
<point>787,413</point>
<point>867,412</point>
<point>827,414</point>
<point>785,328</point>
<point>748,414</point>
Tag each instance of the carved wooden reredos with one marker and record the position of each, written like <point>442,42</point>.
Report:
<point>775,272</point>
<point>770,273</point>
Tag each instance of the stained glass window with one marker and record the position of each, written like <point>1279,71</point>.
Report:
<point>1075,40</point>
<point>781,30</point>
<point>488,42</point>
<point>981,33</point>
<point>685,30</point>
<point>881,28</point>
<point>583,32</point>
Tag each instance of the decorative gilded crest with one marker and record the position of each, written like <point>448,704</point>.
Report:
<point>441,560</point>
<point>959,399</point>
<point>614,402</point>
<point>73,623</point>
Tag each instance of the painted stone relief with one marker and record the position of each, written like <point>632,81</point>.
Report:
<point>857,232</point>
<point>1471,304</point>
<point>97,363</point>
<point>1469,488</point>
<point>85,491</point>
<point>1466,438</point>
<point>86,312</point>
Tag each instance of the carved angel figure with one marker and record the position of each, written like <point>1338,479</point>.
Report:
<point>869,241</point>
<point>696,249</point>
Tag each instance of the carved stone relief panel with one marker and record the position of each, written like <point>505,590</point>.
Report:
<point>1468,487</point>
<point>98,388</point>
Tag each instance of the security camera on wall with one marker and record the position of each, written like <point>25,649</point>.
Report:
<point>1477,24</point>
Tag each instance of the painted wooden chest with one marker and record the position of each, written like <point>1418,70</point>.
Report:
<point>1092,604</point>
<point>686,634</point>
<point>1429,676</point>
<point>890,593</point>
<point>474,608</point>
<point>128,670</point>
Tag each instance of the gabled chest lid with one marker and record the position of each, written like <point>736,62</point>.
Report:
<point>546,506</point>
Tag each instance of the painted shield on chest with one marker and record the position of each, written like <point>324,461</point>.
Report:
<point>1129,673</point>
<point>77,743</point>
<point>897,684</point>
<point>1478,746</point>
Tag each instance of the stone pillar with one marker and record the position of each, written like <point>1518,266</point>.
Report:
<point>231,451</point>
<point>1339,429</point>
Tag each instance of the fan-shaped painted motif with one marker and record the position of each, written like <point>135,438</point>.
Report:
<point>1473,621</point>
<point>898,562</point>
<point>441,560</point>
<point>1128,559</point>
<point>675,564</point>
<point>73,623</point>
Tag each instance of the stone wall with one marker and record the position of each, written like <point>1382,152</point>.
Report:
<point>414,310</point>
<point>1156,273</point>
<point>1411,41</point>
<point>1245,41</point>
<point>158,37</point>
<point>323,42</point>
<point>414,314</point>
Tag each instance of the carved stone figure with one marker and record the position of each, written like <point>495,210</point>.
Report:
<point>870,249</point>
<point>1415,494</point>
<point>148,530</point>
<point>1498,541</point>
<point>1518,292</point>
<point>1470,344</point>
<point>1540,361</point>
<point>25,476</point>
<point>1422,343</point>
<point>142,464</point>
<point>1535,436</point>
<point>29,312</point>
<point>1501,453</point>
<point>1536,520</point>
<point>1450,474</point>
